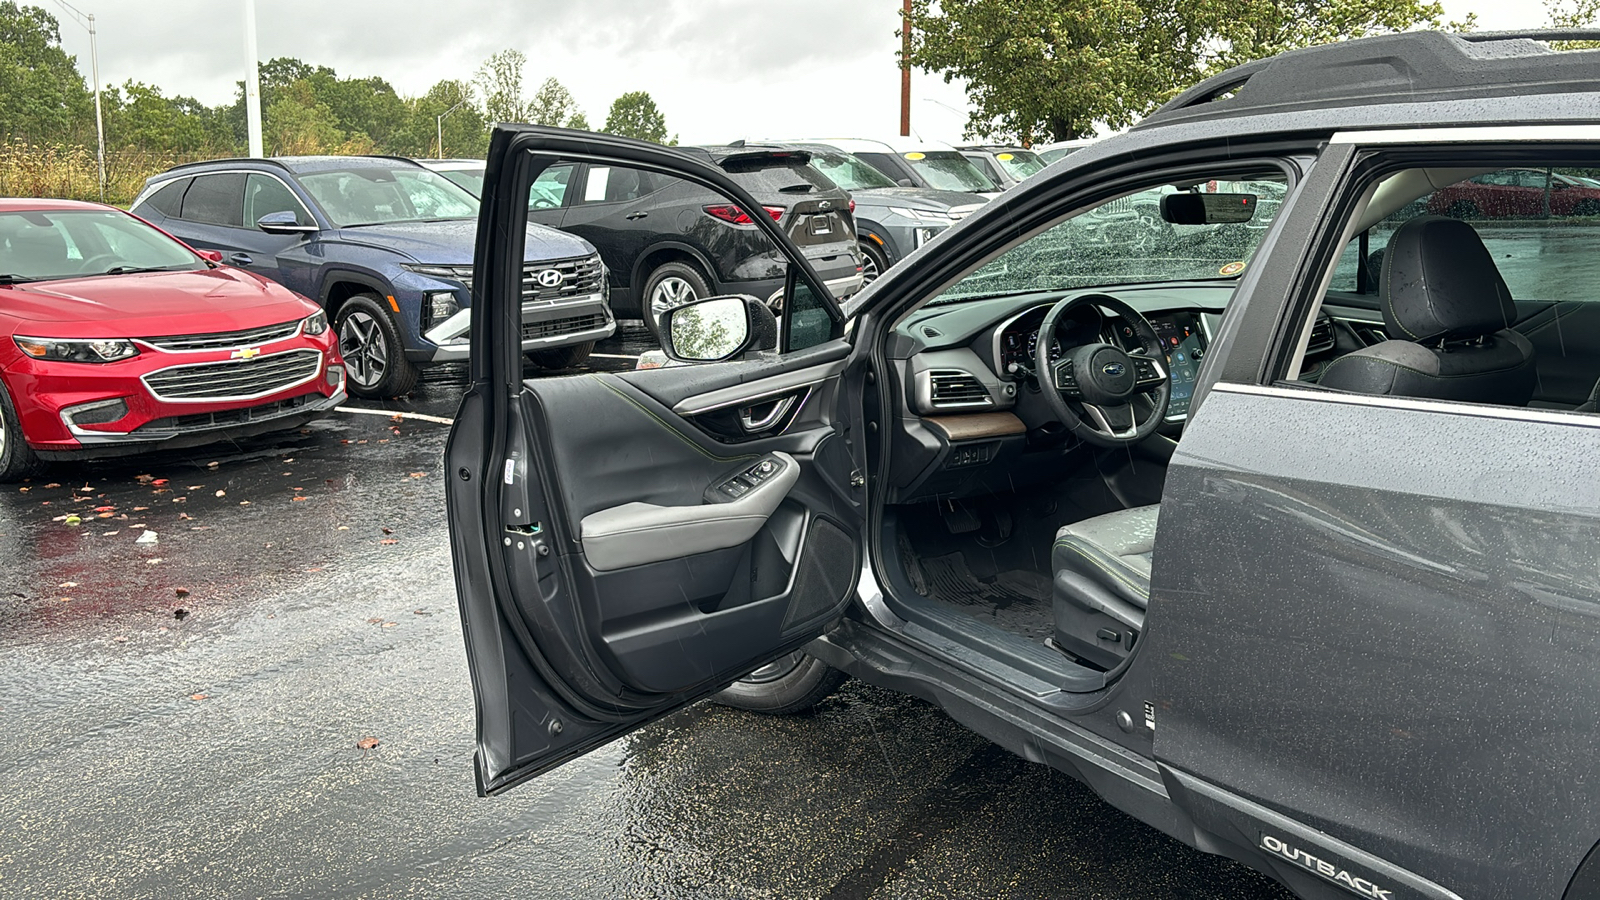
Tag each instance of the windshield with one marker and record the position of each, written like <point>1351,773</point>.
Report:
<point>374,195</point>
<point>849,172</point>
<point>469,179</point>
<point>1019,164</point>
<point>949,171</point>
<point>1126,241</point>
<point>57,243</point>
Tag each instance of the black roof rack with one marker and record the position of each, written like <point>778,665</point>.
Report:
<point>1412,67</point>
<point>222,161</point>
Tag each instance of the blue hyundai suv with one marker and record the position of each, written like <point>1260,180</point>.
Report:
<point>386,246</point>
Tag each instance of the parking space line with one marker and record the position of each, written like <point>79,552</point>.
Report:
<point>389,414</point>
<point>613,356</point>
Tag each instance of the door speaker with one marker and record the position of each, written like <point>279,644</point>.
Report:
<point>823,576</point>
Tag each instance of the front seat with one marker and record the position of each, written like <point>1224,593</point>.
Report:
<point>1102,583</point>
<point>1442,292</point>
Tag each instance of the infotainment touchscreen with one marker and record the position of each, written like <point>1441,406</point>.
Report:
<point>1185,344</point>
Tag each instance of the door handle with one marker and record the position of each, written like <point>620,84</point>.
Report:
<point>638,215</point>
<point>754,420</point>
<point>241,259</point>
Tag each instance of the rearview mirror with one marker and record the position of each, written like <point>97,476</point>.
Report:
<point>716,328</point>
<point>1208,209</point>
<point>905,182</point>
<point>285,222</point>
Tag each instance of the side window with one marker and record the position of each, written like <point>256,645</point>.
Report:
<point>885,163</point>
<point>614,184</point>
<point>550,188</point>
<point>264,194</point>
<point>169,198</point>
<point>216,200</point>
<point>1527,218</point>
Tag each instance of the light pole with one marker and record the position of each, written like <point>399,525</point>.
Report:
<point>438,124</point>
<point>905,70</point>
<point>252,82</point>
<point>87,21</point>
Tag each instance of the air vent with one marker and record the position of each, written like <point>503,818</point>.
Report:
<point>955,389</point>
<point>931,332</point>
<point>1321,336</point>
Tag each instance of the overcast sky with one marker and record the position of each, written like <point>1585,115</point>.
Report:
<point>718,69</point>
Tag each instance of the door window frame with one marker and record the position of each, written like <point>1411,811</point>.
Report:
<point>248,226</point>
<point>251,226</point>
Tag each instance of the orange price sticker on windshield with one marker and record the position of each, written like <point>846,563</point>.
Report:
<point>1232,268</point>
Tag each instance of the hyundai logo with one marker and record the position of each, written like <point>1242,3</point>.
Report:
<point>1113,369</point>
<point>549,278</point>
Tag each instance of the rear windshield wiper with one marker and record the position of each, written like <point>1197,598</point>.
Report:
<point>6,278</point>
<point>796,189</point>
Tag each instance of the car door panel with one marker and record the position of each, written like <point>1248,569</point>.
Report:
<point>1361,617</point>
<point>1566,348</point>
<point>609,569</point>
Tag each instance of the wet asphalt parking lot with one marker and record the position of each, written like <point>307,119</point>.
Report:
<point>183,719</point>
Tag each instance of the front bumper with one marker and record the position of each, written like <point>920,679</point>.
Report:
<point>162,398</point>
<point>545,325</point>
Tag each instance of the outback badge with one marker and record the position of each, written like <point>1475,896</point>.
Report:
<point>1353,883</point>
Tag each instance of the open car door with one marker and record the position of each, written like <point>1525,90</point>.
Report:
<point>625,544</point>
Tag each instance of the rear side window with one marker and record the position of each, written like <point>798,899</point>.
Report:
<point>169,198</point>
<point>264,195</point>
<point>216,200</point>
<point>885,163</point>
<point>616,184</point>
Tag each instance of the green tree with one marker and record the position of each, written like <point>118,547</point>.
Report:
<point>635,115</point>
<point>500,79</point>
<point>296,124</point>
<point>140,117</point>
<point>466,133</point>
<point>553,105</point>
<point>1056,69</point>
<point>42,96</point>
<point>1573,14</point>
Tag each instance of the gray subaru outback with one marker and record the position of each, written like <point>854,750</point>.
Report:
<point>1277,529</point>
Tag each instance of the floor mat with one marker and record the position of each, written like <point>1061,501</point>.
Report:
<point>1015,600</point>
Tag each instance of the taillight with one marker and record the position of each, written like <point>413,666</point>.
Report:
<point>736,216</point>
<point>852,206</point>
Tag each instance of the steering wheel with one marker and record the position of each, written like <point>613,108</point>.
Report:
<point>98,263</point>
<point>1102,379</point>
<point>542,203</point>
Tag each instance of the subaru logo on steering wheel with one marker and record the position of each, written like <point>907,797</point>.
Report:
<point>549,277</point>
<point>1113,369</point>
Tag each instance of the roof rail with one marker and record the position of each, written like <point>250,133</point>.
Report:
<point>1410,67</point>
<point>222,161</point>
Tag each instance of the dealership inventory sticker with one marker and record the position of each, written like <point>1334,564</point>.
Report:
<point>916,156</point>
<point>1232,268</point>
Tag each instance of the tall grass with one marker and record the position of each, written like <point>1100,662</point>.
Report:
<point>71,172</point>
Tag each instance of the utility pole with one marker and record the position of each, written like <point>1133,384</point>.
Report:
<point>252,80</point>
<point>905,70</point>
<point>87,21</point>
<point>438,123</point>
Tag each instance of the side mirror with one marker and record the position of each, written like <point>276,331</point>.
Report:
<point>210,255</point>
<point>1208,209</point>
<point>717,328</point>
<point>284,222</point>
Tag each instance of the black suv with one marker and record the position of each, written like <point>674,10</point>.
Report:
<point>1293,561</point>
<point>668,241</point>
<point>386,246</point>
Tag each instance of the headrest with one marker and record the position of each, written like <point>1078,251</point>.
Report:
<point>1439,282</point>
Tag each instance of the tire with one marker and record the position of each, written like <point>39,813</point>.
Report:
<point>374,354</point>
<point>874,262</point>
<point>790,685</point>
<point>671,284</point>
<point>561,357</point>
<point>1463,209</point>
<point>17,459</point>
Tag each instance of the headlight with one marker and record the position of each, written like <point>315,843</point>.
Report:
<point>315,324</point>
<point>462,274</point>
<point>87,351</point>
<point>922,215</point>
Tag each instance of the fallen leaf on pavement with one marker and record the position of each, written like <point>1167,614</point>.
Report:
<point>368,743</point>
<point>213,464</point>
<point>297,499</point>
<point>198,697</point>
<point>159,482</point>
<point>121,639</point>
<point>222,493</point>
<point>419,474</point>
<point>386,529</point>
<point>385,542</point>
<point>73,520</point>
<point>180,614</point>
<point>149,537</point>
<point>144,479</point>
<point>53,485</point>
<point>181,592</point>
<point>68,584</point>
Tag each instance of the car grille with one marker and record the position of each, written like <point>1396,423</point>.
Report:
<point>579,278</point>
<point>559,327</point>
<point>227,417</point>
<point>225,340</point>
<point>235,379</point>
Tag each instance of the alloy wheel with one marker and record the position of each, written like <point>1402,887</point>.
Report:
<point>774,670</point>
<point>670,293</point>
<point>2,430</point>
<point>869,270</point>
<point>365,352</point>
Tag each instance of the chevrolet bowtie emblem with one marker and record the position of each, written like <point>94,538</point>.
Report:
<point>247,352</point>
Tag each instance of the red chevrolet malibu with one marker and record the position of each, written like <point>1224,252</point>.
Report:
<point>116,337</point>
